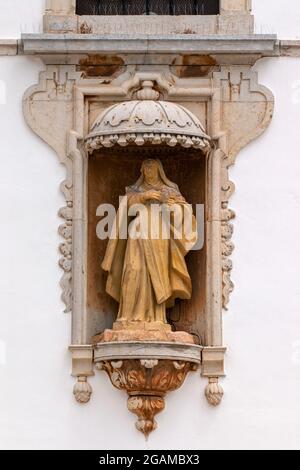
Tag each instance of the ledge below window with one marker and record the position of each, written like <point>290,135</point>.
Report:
<point>47,44</point>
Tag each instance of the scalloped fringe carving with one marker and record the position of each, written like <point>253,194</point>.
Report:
<point>95,143</point>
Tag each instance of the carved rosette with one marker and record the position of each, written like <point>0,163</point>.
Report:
<point>146,381</point>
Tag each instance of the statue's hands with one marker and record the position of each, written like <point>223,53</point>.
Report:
<point>175,200</point>
<point>171,200</point>
<point>152,195</point>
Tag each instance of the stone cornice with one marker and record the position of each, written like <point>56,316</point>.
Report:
<point>8,47</point>
<point>45,44</point>
<point>289,48</point>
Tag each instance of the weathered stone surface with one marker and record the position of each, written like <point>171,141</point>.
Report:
<point>146,335</point>
<point>153,25</point>
<point>61,24</point>
<point>132,349</point>
<point>9,47</point>
<point>289,48</point>
<point>235,5</point>
<point>151,44</point>
<point>89,65</point>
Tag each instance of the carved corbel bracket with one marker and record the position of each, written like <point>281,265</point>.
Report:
<point>147,372</point>
<point>212,367</point>
<point>82,368</point>
<point>146,382</point>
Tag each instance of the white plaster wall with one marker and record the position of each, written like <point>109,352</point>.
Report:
<point>261,406</point>
<point>277,17</point>
<point>20,16</point>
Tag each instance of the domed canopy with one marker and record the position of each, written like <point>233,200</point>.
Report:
<point>147,121</point>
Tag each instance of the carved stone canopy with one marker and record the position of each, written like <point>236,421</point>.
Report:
<point>147,121</point>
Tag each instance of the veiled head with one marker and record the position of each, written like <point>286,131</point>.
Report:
<point>152,172</point>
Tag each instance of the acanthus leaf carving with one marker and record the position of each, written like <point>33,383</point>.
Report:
<point>146,382</point>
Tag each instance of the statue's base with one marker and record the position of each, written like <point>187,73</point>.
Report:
<point>121,325</point>
<point>145,332</point>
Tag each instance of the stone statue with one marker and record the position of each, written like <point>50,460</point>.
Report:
<point>147,273</point>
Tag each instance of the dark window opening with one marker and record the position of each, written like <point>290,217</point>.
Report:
<point>147,7</point>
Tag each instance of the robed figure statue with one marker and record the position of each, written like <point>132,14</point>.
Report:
<point>147,269</point>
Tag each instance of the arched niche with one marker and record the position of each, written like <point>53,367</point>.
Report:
<point>109,172</point>
<point>121,138</point>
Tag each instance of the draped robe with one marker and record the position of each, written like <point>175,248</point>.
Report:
<point>146,274</point>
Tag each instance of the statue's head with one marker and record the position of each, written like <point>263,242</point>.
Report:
<point>151,172</point>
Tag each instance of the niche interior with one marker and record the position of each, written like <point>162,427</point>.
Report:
<point>110,171</point>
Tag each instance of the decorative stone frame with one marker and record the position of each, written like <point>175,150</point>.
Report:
<point>238,110</point>
<point>219,229</point>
